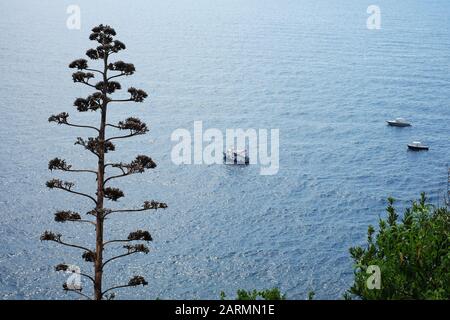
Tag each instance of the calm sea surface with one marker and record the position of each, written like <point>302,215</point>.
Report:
<point>310,68</point>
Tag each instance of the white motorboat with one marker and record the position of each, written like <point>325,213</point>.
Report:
<point>233,156</point>
<point>417,146</point>
<point>399,122</point>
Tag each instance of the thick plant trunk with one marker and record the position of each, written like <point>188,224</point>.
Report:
<point>98,260</point>
<point>100,194</point>
<point>99,222</point>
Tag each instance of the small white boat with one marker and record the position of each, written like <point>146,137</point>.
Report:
<point>234,156</point>
<point>417,146</point>
<point>399,122</point>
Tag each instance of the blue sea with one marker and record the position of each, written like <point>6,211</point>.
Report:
<point>310,68</point>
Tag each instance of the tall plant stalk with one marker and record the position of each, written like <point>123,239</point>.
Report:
<point>100,145</point>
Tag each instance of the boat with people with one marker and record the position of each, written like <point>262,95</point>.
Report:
<point>417,146</point>
<point>398,122</point>
<point>235,156</point>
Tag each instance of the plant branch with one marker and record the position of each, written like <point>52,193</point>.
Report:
<point>116,176</point>
<point>121,100</point>
<point>117,287</point>
<point>112,165</point>
<point>62,117</point>
<point>95,70</point>
<point>87,276</point>
<point>60,164</point>
<point>80,126</point>
<point>148,205</point>
<point>71,245</point>
<point>112,125</point>
<point>126,136</point>
<point>76,192</point>
<point>117,75</point>
<point>126,210</point>
<point>85,221</point>
<point>117,257</point>
<point>88,84</point>
<point>79,292</point>
<point>113,241</point>
<point>81,170</point>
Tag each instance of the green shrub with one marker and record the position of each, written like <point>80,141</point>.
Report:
<point>413,255</point>
<point>268,294</point>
